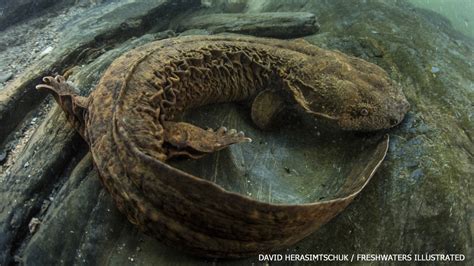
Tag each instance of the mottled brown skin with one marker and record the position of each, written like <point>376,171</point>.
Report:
<point>128,121</point>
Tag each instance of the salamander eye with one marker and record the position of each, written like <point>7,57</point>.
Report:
<point>364,112</point>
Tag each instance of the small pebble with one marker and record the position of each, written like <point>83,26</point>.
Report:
<point>46,51</point>
<point>435,69</point>
<point>33,225</point>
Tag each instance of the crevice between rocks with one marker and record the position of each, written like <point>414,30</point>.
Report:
<point>32,206</point>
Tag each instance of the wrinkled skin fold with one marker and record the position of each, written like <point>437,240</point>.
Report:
<point>129,123</point>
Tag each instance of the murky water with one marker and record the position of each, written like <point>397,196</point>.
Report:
<point>458,12</point>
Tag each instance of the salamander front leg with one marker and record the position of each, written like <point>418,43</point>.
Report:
<point>265,109</point>
<point>184,139</point>
<point>74,105</point>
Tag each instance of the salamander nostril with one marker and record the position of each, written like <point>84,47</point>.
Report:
<point>393,121</point>
<point>405,106</point>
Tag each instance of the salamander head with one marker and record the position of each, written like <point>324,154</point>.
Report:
<point>351,93</point>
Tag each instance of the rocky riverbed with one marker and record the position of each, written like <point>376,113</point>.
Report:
<point>53,209</point>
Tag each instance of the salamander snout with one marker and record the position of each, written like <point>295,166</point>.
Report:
<point>378,115</point>
<point>399,112</point>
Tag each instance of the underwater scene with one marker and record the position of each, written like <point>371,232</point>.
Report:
<point>236,132</point>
